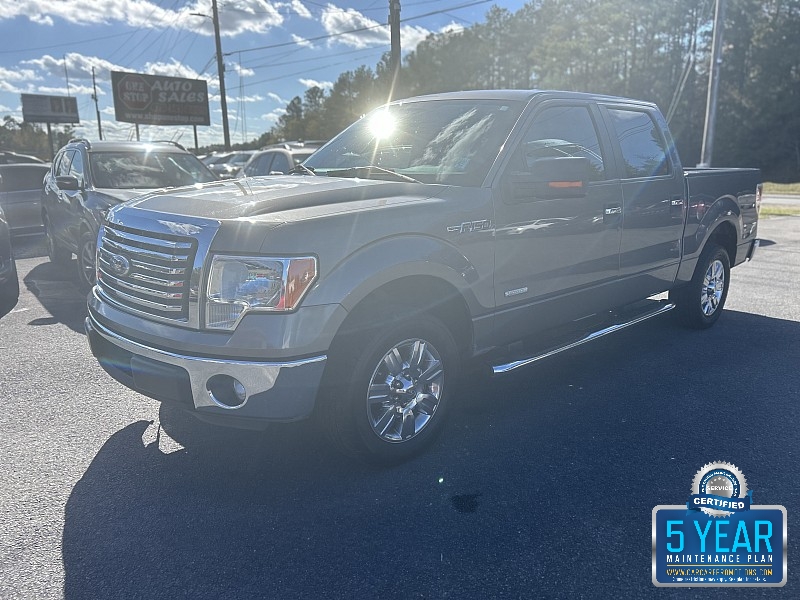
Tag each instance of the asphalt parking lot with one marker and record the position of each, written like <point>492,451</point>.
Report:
<point>542,485</point>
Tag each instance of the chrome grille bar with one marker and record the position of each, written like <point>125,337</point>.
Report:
<point>146,273</point>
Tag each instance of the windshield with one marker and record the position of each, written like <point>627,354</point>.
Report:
<point>441,141</point>
<point>148,170</point>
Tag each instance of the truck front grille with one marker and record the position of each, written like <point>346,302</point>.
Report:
<point>146,272</point>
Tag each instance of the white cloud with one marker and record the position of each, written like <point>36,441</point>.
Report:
<point>4,108</point>
<point>273,116</point>
<point>452,27</point>
<point>171,69</point>
<point>299,8</point>
<point>5,86</point>
<point>410,37</point>
<point>73,90</point>
<point>255,98</point>
<point>276,98</point>
<point>78,66</point>
<point>242,71</point>
<point>23,75</point>
<point>41,20</point>
<point>337,21</point>
<point>309,83</point>
<point>365,31</point>
<point>239,16</point>
<point>301,41</point>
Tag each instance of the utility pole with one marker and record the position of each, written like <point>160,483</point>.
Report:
<point>394,28</point>
<point>713,86</point>
<point>221,72</point>
<point>97,107</point>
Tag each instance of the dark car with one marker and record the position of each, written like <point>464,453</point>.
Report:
<point>9,284</point>
<point>278,159</point>
<point>21,194</point>
<point>8,157</point>
<point>88,178</point>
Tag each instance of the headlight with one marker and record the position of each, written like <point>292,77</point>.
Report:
<point>238,284</point>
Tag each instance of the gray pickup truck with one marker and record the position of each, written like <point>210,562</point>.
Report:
<point>433,235</point>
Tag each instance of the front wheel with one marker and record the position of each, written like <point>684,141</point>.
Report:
<point>699,304</point>
<point>57,254</point>
<point>87,261</point>
<point>390,396</point>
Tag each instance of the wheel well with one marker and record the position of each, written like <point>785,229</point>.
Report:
<point>725,236</point>
<point>416,294</point>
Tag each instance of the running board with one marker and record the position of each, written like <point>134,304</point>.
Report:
<point>523,362</point>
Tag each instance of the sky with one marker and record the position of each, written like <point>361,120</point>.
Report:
<point>273,51</point>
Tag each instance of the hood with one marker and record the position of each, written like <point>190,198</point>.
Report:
<point>253,196</point>
<point>115,196</point>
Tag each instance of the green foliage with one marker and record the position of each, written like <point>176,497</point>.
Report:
<point>31,138</point>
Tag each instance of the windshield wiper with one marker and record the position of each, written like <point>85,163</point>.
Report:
<point>371,172</point>
<point>301,168</point>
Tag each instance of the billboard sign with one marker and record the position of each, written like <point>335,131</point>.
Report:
<point>159,100</point>
<point>37,108</point>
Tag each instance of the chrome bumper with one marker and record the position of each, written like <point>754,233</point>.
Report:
<point>272,391</point>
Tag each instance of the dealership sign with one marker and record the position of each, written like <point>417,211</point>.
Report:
<point>37,108</point>
<point>159,100</point>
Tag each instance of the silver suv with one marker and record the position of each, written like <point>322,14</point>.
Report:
<point>87,178</point>
<point>279,159</point>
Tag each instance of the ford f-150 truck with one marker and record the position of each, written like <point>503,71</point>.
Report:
<point>432,234</point>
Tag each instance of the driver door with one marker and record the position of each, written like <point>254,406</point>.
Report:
<point>557,253</point>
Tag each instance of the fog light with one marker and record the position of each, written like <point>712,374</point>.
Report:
<point>226,391</point>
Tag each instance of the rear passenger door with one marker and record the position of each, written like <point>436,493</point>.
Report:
<point>653,201</point>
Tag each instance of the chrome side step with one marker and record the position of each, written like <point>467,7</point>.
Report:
<point>523,362</point>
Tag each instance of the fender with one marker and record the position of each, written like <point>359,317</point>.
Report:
<point>703,220</point>
<point>389,259</point>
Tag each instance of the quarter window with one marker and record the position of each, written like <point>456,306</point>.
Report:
<point>643,149</point>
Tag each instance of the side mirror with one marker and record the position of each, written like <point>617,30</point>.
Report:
<point>550,178</point>
<point>68,183</point>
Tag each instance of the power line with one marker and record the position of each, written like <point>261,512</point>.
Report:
<point>359,29</point>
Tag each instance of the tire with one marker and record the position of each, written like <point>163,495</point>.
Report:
<point>87,261</point>
<point>388,400</point>
<point>57,253</point>
<point>9,291</point>
<point>699,304</point>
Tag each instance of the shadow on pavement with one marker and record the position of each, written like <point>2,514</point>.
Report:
<point>56,289</point>
<point>546,492</point>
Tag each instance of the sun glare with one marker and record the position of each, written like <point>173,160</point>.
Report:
<point>382,124</point>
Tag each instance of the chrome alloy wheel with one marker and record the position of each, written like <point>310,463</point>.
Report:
<point>405,390</point>
<point>713,287</point>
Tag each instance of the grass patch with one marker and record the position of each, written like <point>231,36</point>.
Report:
<point>773,210</point>
<point>781,188</point>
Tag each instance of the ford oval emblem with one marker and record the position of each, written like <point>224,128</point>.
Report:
<point>119,264</point>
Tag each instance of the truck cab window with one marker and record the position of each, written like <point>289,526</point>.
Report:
<point>643,150</point>
<point>562,131</point>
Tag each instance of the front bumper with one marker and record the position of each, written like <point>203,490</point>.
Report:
<point>273,391</point>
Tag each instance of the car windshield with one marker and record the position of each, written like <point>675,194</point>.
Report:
<point>440,141</point>
<point>127,170</point>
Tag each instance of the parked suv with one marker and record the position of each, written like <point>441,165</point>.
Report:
<point>88,178</point>
<point>279,159</point>
<point>227,166</point>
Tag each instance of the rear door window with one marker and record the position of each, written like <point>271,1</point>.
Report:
<point>643,149</point>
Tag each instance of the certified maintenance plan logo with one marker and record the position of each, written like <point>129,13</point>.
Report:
<point>719,538</point>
